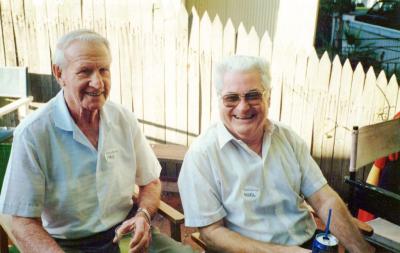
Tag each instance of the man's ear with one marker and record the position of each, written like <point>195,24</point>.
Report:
<point>57,72</point>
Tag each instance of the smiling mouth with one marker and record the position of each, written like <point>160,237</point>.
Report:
<point>244,117</point>
<point>94,94</point>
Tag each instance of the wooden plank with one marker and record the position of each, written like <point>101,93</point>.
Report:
<point>389,91</point>
<point>20,32</point>
<point>170,62</point>
<point>70,15</point>
<point>15,105</point>
<point>87,14</point>
<point>169,151</point>
<point>217,51</point>
<point>205,71</point>
<point>99,17</point>
<point>136,54</point>
<point>357,87</point>
<point>229,39</point>
<point>381,102</point>
<point>13,81</point>
<point>41,44</point>
<point>356,106</point>
<point>2,48</point>
<point>266,47</point>
<point>368,96</point>
<point>182,77</point>
<point>310,95</point>
<point>125,66</point>
<point>194,79</point>
<point>330,119</point>
<point>242,40</point>
<point>289,55</point>
<point>392,92</point>
<point>299,92</point>
<point>147,33</point>
<point>253,42</point>
<point>321,89</point>
<point>276,82</point>
<point>8,33</point>
<point>52,23</point>
<point>393,82</point>
<point>381,139</point>
<point>154,93</point>
<point>112,36</point>
<point>341,148</point>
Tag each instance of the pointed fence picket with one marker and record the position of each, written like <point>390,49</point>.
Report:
<point>163,60</point>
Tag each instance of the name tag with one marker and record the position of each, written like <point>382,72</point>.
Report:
<point>110,155</point>
<point>251,193</point>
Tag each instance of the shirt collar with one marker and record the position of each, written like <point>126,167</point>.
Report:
<point>61,115</point>
<point>63,119</point>
<point>224,136</point>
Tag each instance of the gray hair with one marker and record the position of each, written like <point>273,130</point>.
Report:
<point>241,63</point>
<point>80,35</point>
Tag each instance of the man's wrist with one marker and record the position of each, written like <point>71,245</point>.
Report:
<point>145,213</point>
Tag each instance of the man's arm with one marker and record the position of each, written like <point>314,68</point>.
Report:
<point>32,237</point>
<point>220,239</point>
<point>148,199</point>
<point>341,222</point>
<point>149,196</point>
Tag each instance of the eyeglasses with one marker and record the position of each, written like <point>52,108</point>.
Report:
<point>253,97</point>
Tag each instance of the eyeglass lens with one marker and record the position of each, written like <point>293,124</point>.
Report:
<point>233,99</point>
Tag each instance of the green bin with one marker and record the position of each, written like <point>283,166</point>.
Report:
<point>5,149</point>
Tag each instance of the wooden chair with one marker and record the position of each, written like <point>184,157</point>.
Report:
<point>368,144</point>
<point>14,85</point>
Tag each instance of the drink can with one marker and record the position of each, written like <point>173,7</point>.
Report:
<point>325,243</point>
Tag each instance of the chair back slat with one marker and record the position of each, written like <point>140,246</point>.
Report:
<point>13,82</point>
<point>376,141</point>
<point>169,151</point>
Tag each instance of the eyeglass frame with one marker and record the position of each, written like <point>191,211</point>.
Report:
<point>263,92</point>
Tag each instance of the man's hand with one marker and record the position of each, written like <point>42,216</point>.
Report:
<point>141,233</point>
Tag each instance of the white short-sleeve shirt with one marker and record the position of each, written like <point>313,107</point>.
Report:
<point>55,173</point>
<point>259,197</point>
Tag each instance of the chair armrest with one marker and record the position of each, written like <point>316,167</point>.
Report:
<point>174,217</point>
<point>196,238</point>
<point>5,233</point>
<point>170,213</point>
<point>382,203</point>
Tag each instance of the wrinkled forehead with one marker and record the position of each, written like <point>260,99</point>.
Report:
<point>87,51</point>
<point>241,81</point>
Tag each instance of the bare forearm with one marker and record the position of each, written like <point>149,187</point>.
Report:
<point>32,237</point>
<point>149,196</point>
<point>224,240</point>
<point>342,225</point>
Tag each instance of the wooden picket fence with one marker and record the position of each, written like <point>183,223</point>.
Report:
<point>163,59</point>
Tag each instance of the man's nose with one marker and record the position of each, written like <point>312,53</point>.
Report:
<point>96,80</point>
<point>243,104</point>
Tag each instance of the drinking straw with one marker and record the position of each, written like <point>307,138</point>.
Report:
<point>328,224</point>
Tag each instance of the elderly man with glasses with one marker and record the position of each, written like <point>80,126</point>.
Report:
<point>244,180</point>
